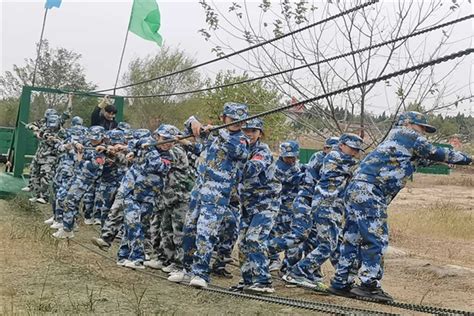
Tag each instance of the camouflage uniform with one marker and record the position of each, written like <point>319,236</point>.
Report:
<point>380,176</point>
<point>290,177</point>
<point>89,170</point>
<point>219,165</point>
<point>259,192</point>
<point>328,209</point>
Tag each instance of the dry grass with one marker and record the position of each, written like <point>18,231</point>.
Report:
<point>441,219</point>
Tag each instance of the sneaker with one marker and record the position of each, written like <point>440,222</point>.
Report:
<point>237,288</point>
<point>154,264</point>
<point>88,221</point>
<point>135,265</point>
<point>62,234</point>
<point>147,257</point>
<point>259,288</point>
<point>304,282</point>
<point>198,282</point>
<point>97,221</point>
<point>373,292</point>
<point>32,200</point>
<point>41,200</point>
<point>345,292</point>
<point>274,265</point>
<point>76,227</point>
<point>222,272</point>
<point>179,276</point>
<point>26,189</point>
<point>56,225</point>
<point>169,268</point>
<point>122,262</point>
<point>102,244</point>
<point>49,221</point>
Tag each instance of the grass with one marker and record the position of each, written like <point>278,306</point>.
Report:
<point>441,219</point>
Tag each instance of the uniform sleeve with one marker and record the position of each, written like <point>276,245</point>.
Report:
<point>236,147</point>
<point>332,176</point>
<point>156,164</point>
<point>257,163</point>
<point>95,116</point>
<point>424,149</point>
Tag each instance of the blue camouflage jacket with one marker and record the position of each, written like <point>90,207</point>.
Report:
<point>290,177</point>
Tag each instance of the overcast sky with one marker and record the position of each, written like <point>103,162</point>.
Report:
<point>96,29</point>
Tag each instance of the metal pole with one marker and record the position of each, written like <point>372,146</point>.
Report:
<point>123,51</point>
<point>39,47</point>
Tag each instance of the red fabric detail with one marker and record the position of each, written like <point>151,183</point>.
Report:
<point>100,160</point>
<point>166,161</point>
<point>257,157</point>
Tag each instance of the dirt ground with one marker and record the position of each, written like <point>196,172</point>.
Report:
<point>431,261</point>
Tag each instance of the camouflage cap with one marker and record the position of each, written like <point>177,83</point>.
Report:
<point>77,121</point>
<point>140,133</point>
<point>124,126</point>
<point>96,133</point>
<point>416,118</point>
<point>236,111</point>
<point>167,131</point>
<point>49,112</point>
<point>147,141</point>
<point>289,149</point>
<point>116,136</point>
<point>254,123</point>
<point>331,141</point>
<point>352,140</point>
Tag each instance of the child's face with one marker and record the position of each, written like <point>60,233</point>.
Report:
<point>233,128</point>
<point>289,160</point>
<point>420,129</point>
<point>164,147</point>
<point>253,134</point>
<point>326,149</point>
<point>349,150</point>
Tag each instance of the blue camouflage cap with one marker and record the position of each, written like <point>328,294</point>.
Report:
<point>167,131</point>
<point>116,136</point>
<point>124,126</point>
<point>141,132</point>
<point>77,121</point>
<point>96,133</point>
<point>254,123</point>
<point>351,140</point>
<point>289,149</point>
<point>52,121</point>
<point>416,118</point>
<point>49,112</point>
<point>147,141</point>
<point>236,111</point>
<point>331,141</point>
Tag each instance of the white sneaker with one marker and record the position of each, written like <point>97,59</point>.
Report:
<point>147,257</point>
<point>122,262</point>
<point>154,264</point>
<point>97,221</point>
<point>32,200</point>
<point>198,282</point>
<point>135,265</point>
<point>26,189</point>
<point>89,221</point>
<point>179,276</point>
<point>62,234</point>
<point>76,227</point>
<point>56,225</point>
<point>169,268</point>
<point>41,200</point>
<point>49,221</point>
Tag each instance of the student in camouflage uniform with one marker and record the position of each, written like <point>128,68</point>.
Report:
<point>288,172</point>
<point>379,178</point>
<point>259,193</point>
<point>219,165</point>
<point>150,177</point>
<point>327,211</point>
<point>292,242</point>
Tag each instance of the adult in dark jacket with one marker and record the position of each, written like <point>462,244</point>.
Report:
<point>104,115</point>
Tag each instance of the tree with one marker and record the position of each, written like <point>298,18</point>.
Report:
<point>374,24</point>
<point>57,68</point>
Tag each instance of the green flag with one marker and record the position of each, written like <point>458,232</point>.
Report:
<point>145,20</point>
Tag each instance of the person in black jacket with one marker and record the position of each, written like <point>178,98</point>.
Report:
<point>104,115</point>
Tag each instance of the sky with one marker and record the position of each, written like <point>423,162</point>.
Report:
<point>96,29</point>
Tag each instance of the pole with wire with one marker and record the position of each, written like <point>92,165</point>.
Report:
<point>38,53</point>
<point>123,52</point>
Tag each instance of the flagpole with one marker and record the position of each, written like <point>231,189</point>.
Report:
<point>39,46</point>
<point>123,51</point>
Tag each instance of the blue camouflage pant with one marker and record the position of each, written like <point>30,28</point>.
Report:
<point>365,235</point>
<point>136,221</point>
<point>255,227</point>
<point>104,197</point>
<point>322,241</point>
<point>88,202</point>
<point>78,187</point>
<point>228,234</point>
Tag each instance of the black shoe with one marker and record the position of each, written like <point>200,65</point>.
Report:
<point>237,288</point>
<point>345,292</point>
<point>372,292</point>
<point>222,272</point>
